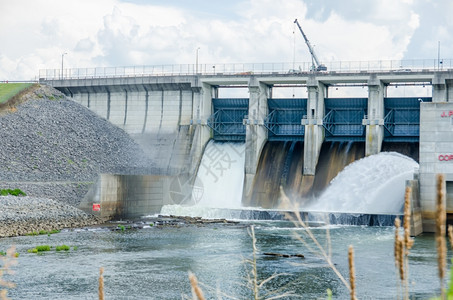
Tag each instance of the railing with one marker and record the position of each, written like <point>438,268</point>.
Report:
<point>247,69</point>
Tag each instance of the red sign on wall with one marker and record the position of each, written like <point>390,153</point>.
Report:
<point>446,157</point>
<point>96,206</point>
<point>446,114</point>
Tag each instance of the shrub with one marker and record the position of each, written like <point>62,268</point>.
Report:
<point>42,248</point>
<point>15,192</point>
<point>62,247</point>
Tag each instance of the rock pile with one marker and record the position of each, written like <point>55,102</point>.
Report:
<point>53,149</point>
<point>25,215</point>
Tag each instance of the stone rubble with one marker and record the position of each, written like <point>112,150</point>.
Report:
<point>54,149</point>
<point>25,215</point>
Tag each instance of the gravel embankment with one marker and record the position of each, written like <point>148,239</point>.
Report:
<point>53,149</point>
<point>24,215</point>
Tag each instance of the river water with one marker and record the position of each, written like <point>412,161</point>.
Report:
<point>153,262</point>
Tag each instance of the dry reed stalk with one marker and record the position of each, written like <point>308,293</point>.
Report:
<point>101,284</point>
<point>254,269</point>
<point>408,242</point>
<point>401,259</point>
<point>351,272</point>
<point>396,249</point>
<point>298,222</point>
<point>195,288</point>
<point>450,236</point>
<point>9,260</point>
<point>440,232</point>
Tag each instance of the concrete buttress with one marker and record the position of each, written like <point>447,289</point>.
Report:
<point>375,119</point>
<point>256,133</point>
<point>314,131</point>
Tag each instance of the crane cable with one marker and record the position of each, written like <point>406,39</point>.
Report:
<point>294,46</point>
<point>294,51</point>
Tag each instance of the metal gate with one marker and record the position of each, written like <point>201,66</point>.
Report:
<point>402,119</point>
<point>227,119</point>
<point>284,119</point>
<point>343,119</point>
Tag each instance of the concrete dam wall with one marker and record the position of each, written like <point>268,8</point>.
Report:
<point>156,115</point>
<point>173,118</point>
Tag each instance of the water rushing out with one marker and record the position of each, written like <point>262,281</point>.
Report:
<point>371,185</point>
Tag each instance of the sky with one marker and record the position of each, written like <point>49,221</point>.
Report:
<point>35,33</point>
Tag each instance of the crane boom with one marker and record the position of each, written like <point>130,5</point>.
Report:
<point>316,64</point>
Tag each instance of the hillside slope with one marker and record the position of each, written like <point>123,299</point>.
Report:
<point>53,147</point>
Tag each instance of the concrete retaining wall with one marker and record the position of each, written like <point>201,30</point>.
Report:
<point>128,196</point>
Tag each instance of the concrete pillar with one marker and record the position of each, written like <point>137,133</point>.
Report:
<point>314,131</point>
<point>256,133</point>
<point>202,110</point>
<point>416,222</point>
<point>440,90</point>
<point>375,116</point>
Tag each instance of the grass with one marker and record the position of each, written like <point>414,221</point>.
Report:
<point>62,248</point>
<point>40,248</point>
<point>15,192</point>
<point>43,232</point>
<point>44,248</point>
<point>9,90</point>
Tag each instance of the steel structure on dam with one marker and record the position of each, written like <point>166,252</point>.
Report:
<point>157,101</point>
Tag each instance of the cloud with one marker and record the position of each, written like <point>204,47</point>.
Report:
<point>84,45</point>
<point>115,33</point>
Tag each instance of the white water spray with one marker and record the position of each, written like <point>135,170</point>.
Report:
<point>220,181</point>
<point>372,185</point>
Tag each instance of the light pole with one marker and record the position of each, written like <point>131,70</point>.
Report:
<point>62,56</point>
<point>196,62</point>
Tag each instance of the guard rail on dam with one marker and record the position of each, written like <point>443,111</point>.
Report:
<point>173,112</point>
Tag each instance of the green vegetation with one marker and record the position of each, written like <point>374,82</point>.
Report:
<point>121,227</point>
<point>43,248</point>
<point>15,192</point>
<point>9,90</point>
<point>4,253</point>
<point>40,248</point>
<point>62,247</point>
<point>42,232</point>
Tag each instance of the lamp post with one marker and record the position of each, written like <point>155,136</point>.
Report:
<point>196,61</point>
<point>62,56</point>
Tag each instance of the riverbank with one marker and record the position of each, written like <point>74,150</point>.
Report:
<point>28,215</point>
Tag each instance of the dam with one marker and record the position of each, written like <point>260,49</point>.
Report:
<point>174,111</point>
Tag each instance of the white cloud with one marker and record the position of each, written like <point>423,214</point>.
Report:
<point>115,33</point>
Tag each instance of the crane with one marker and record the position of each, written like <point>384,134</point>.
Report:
<point>314,59</point>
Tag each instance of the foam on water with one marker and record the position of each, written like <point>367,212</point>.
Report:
<point>371,185</point>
